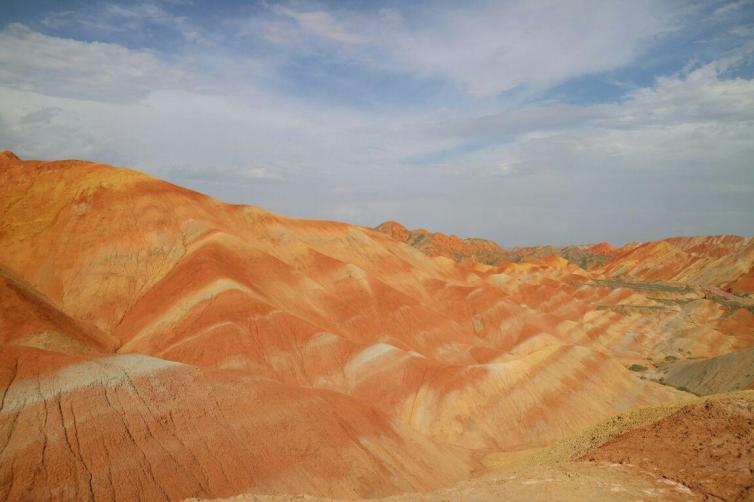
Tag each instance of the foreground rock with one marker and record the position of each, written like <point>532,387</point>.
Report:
<point>707,446</point>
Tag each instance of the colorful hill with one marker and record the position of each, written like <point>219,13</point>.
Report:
<point>488,252</point>
<point>159,343</point>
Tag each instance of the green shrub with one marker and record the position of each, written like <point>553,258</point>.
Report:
<point>637,367</point>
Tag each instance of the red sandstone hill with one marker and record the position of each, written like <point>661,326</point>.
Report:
<point>450,246</point>
<point>724,260</point>
<point>157,343</point>
<point>488,252</point>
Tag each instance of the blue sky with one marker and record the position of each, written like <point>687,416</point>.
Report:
<point>527,122</point>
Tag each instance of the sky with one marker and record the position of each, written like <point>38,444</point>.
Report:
<point>524,121</point>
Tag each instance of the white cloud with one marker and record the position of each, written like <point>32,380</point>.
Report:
<point>490,47</point>
<point>696,121</point>
<point>55,66</point>
<point>690,134</point>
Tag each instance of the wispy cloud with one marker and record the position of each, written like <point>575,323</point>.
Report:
<point>323,24</point>
<point>491,47</point>
<point>732,7</point>
<point>56,66</point>
<point>124,18</point>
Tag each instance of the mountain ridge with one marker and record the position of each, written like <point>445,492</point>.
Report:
<point>600,257</point>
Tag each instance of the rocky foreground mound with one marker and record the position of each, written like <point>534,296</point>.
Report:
<point>157,343</point>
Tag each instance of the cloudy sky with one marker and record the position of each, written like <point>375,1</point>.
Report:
<point>527,122</point>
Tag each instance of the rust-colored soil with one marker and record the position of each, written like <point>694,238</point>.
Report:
<point>708,447</point>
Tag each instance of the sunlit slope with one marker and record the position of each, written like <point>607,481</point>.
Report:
<point>723,260</point>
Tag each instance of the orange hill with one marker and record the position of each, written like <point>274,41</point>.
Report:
<point>724,260</point>
<point>485,251</point>
<point>159,343</point>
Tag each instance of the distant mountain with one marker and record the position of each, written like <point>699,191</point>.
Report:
<point>724,260</point>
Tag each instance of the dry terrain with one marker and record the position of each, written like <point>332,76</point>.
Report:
<point>157,343</point>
